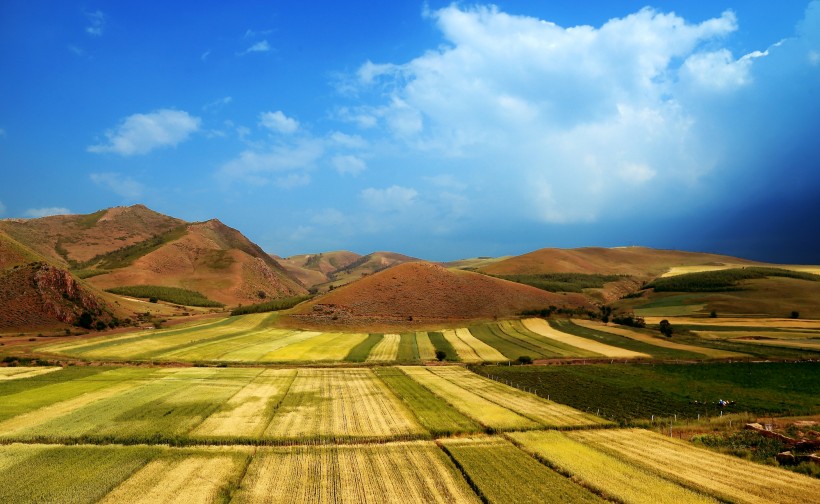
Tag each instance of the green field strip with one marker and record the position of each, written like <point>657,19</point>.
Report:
<point>171,404</point>
<point>505,474</point>
<point>512,348</point>
<point>26,401</point>
<point>728,478</point>
<point>71,473</point>
<point>360,352</point>
<point>604,473</point>
<point>408,348</point>
<point>216,347</point>
<point>427,351</point>
<point>517,330</point>
<point>261,344</point>
<point>17,453</point>
<point>432,412</point>
<point>487,413</point>
<point>441,344</point>
<point>80,347</point>
<point>622,341</point>
<point>66,374</point>
<point>547,413</point>
<point>324,347</point>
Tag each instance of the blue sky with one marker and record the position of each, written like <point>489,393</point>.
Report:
<point>433,129</point>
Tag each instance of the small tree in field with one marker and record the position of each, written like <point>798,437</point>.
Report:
<point>665,328</point>
<point>525,359</point>
<point>440,355</point>
<point>795,314</point>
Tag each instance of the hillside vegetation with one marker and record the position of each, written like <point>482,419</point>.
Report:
<point>723,280</point>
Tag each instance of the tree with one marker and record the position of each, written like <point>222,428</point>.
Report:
<point>713,314</point>
<point>665,328</point>
<point>440,355</point>
<point>795,314</point>
<point>525,359</point>
<point>152,299</point>
<point>85,320</point>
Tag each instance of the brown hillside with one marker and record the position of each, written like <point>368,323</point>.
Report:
<point>79,238</point>
<point>313,269</point>
<point>13,253</point>
<point>634,261</point>
<point>38,296</point>
<point>210,258</point>
<point>420,293</point>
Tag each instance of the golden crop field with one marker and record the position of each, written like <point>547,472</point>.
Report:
<point>427,351</point>
<point>386,350</point>
<point>711,353</point>
<point>15,373</point>
<point>721,475</point>
<point>540,326</point>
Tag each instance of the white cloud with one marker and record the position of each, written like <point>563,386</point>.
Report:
<point>204,56</point>
<point>553,115</point>
<point>260,166</point>
<point>142,133</point>
<point>348,164</point>
<point>96,23</point>
<point>814,58</point>
<point>119,184</point>
<point>36,213</point>
<point>261,46</point>
<point>293,180</point>
<point>217,104</point>
<point>348,141</point>
<point>393,198</point>
<point>278,122</point>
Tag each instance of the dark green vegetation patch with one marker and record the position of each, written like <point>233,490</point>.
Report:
<point>360,352</point>
<point>562,282</point>
<point>723,280</point>
<point>174,295</point>
<point>268,306</point>
<point>442,345</point>
<point>632,393</point>
<point>125,256</point>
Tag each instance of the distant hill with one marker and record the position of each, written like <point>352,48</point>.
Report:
<point>330,270</point>
<point>126,246</point>
<point>419,293</point>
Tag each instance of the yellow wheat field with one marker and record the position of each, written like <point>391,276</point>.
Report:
<point>727,477</point>
<point>249,411</point>
<point>741,322</point>
<point>682,270</point>
<point>470,348</point>
<point>603,472</point>
<point>15,373</point>
<point>540,326</point>
<point>472,404</point>
<point>548,413</point>
<point>622,331</point>
<point>340,403</point>
<point>386,350</point>
<point>194,478</point>
<point>324,347</point>
<point>427,351</point>
<point>387,473</point>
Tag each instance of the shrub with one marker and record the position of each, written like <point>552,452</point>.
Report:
<point>629,319</point>
<point>440,355</point>
<point>524,359</point>
<point>665,328</point>
<point>795,314</point>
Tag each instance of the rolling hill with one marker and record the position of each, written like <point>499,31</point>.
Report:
<point>127,246</point>
<point>327,271</point>
<point>419,293</point>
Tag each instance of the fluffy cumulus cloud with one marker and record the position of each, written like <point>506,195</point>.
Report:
<point>142,133</point>
<point>36,213</point>
<point>121,185</point>
<point>348,164</point>
<point>287,165</point>
<point>560,123</point>
<point>278,122</point>
<point>391,199</point>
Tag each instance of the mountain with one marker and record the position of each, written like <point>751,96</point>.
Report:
<point>421,293</point>
<point>323,272</point>
<point>128,246</point>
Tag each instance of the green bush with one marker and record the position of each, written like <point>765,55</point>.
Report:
<point>174,295</point>
<point>722,280</point>
<point>268,306</point>
<point>562,282</point>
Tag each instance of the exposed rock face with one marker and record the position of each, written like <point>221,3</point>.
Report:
<point>41,295</point>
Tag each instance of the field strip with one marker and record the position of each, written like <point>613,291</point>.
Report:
<point>505,474</point>
<point>549,346</point>
<point>16,373</point>
<point>249,411</point>
<point>152,340</point>
<point>386,350</point>
<point>774,323</point>
<point>210,348</point>
<point>727,477</point>
<point>325,346</point>
<point>464,351</point>
<point>603,472</point>
<point>44,404</point>
<point>540,326</point>
<point>427,351</point>
<point>333,403</point>
<point>547,413</point>
<point>259,345</point>
<point>645,338</point>
<point>195,478</point>
<point>784,334</point>
<point>480,409</point>
<point>17,453</point>
<point>59,474</point>
<point>484,351</point>
<point>384,473</point>
<point>807,344</point>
